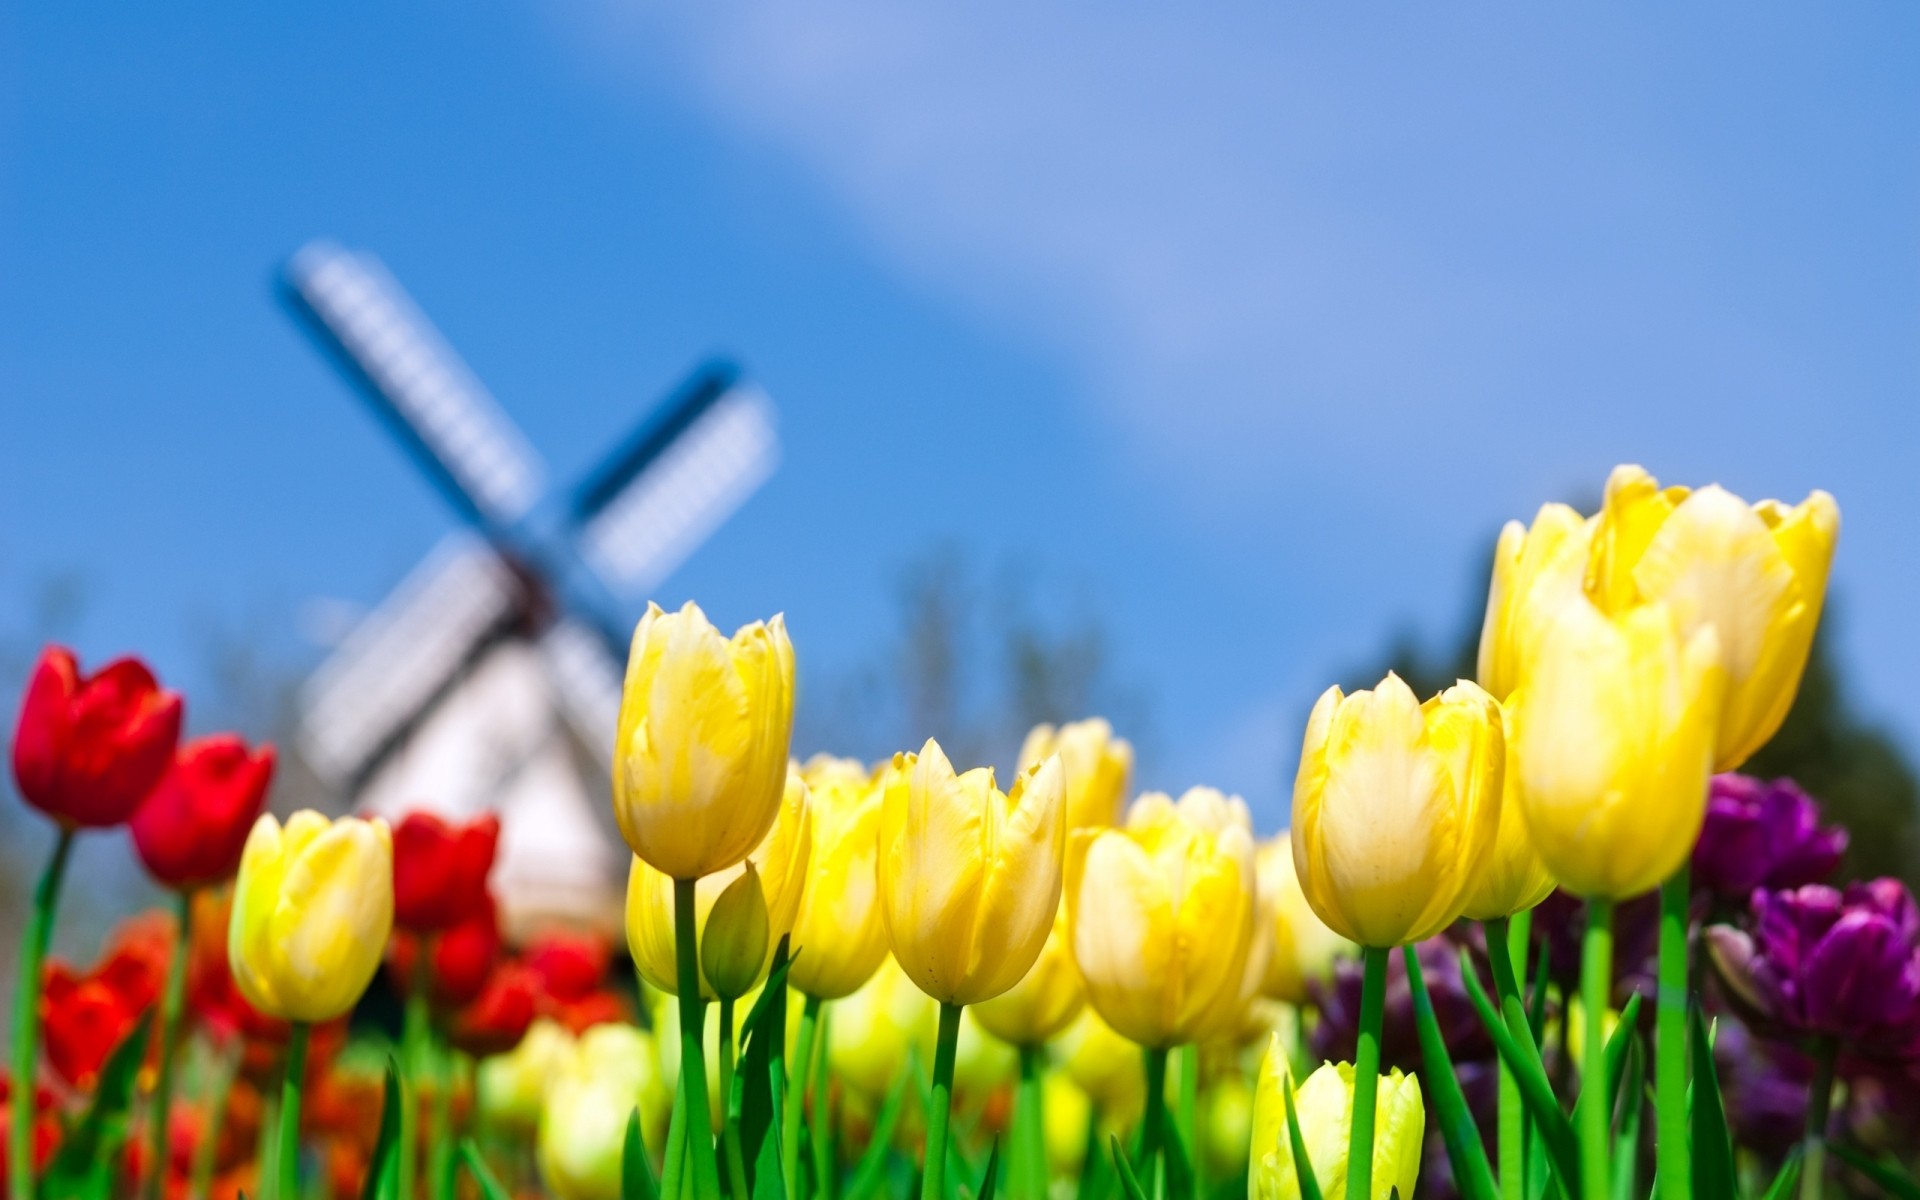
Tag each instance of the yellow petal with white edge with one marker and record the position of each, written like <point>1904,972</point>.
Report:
<point>1020,888</point>
<point>334,915</point>
<point>1715,562</point>
<point>256,894</point>
<point>1632,514</point>
<point>1122,924</point>
<point>932,833</point>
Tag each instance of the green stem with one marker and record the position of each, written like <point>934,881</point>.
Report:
<point>1189,1111</point>
<point>1813,1161</point>
<point>1153,1125</point>
<point>1673,1152</point>
<point>440,1147</point>
<point>820,1127</point>
<point>1593,1112</point>
<point>673,1164</point>
<point>796,1097</point>
<point>693,1063</point>
<point>413,1035</point>
<point>26,1015</point>
<point>1501,938</point>
<point>287,1153</point>
<point>1366,1074</point>
<point>933,1178</point>
<point>1029,1125</point>
<point>206,1151</point>
<point>729,1132</point>
<point>172,1001</point>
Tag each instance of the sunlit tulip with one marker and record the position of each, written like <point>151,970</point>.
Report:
<point>89,748</point>
<point>1104,1065</point>
<point>876,1028</point>
<point>1535,569</point>
<point>840,937</point>
<point>583,1120</point>
<point>1162,914</point>
<point>1046,999</point>
<point>1513,878</point>
<point>312,908</point>
<point>1756,573</point>
<point>1613,739</point>
<point>1304,949</point>
<point>969,876</point>
<point>191,828</point>
<point>511,1087</point>
<point>1396,808</point>
<point>1067,1110</point>
<point>779,861</point>
<point>440,869</point>
<point>1097,766</point>
<point>1323,1106</point>
<point>700,761</point>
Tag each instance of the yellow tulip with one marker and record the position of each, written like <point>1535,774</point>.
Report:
<point>1756,573</point>
<point>1162,914</point>
<point>1396,807</point>
<point>1514,878</point>
<point>1613,739</point>
<point>1046,999</point>
<point>583,1122</point>
<point>1534,570</point>
<point>840,938</point>
<point>1065,1110</point>
<point>1104,1065</point>
<point>1323,1105</point>
<point>779,862</point>
<point>701,756</point>
<point>969,876</point>
<point>312,908</point>
<point>510,1088</point>
<point>876,1028</point>
<point>1097,766</point>
<point>1304,949</point>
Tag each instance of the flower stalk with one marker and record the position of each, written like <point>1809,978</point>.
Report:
<point>171,1003</point>
<point>1366,1074</point>
<point>933,1177</point>
<point>1594,1110</point>
<point>26,1014</point>
<point>1673,1151</point>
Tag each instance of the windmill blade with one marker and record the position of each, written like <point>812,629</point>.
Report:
<point>416,380</point>
<point>676,481</point>
<point>588,677</point>
<point>403,656</point>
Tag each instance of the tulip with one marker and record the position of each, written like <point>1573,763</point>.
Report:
<point>779,871</point>
<point>1535,570</point>
<point>1513,879</point>
<point>700,762</point>
<point>190,830</point>
<point>1758,834</point>
<point>440,870</point>
<point>1096,765</point>
<point>88,749</point>
<point>969,885</point>
<point>1756,574</point>
<point>840,936</point>
<point>1304,949</point>
<point>495,1020</point>
<point>1104,1065</point>
<point>1047,998</point>
<point>583,1118</point>
<point>458,962</point>
<point>880,1026</point>
<point>510,1088</point>
<point>1324,1108</point>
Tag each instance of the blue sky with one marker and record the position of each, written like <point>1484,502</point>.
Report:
<point>1252,325</point>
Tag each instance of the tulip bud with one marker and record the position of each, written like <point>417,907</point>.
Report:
<point>312,909</point>
<point>1304,949</point>
<point>839,936</point>
<point>1162,912</point>
<point>88,749</point>
<point>969,876</point>
<point>1613,739</point>
<point>733,945</point>
<point>700,761</point>
<point>1514,878</point>
<point>1323,1105</point>
<point>1096,764</point>
<point>583,1119</point>
<point>191,829</point>
<point>780,864</point>
<point>1046,999</point>
<point>1396,807</point>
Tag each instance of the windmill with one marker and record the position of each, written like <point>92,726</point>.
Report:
<point>489,679</point>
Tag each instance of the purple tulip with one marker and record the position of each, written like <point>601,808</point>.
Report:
<point>1761,834</point>
<point>1827,964</point>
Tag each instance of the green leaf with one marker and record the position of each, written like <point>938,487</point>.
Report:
<point>1523,1059</point>
<point>1127,1178</point>
<point>476,1166</point>
<point>992,1177</point>
<point>382,1165</point>
<point>1537,1007</point>
<point>1471,1171</point>
<point>1713,1172</point>
<point>88,1160</point>
<point>1302,1165</point>
<point>764,1035</point>
<point>767,1183</point>
<point>636,1169</point>
<point>1888,1175</point>
<point>1180,1181</point>
<point>1788,1176</point>
<point>1616,1053</point>
<point>870,1174</point>
<point>1626,1145</point>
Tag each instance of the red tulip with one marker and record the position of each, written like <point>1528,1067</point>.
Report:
<point>459,962</point>
<point>440,870</point>
<point>88,750</point>
<point>498,1017</point>
<point>569,965</point>
<point>46,1126</point>
<point>191,829</point>
<point>86,1017</point>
